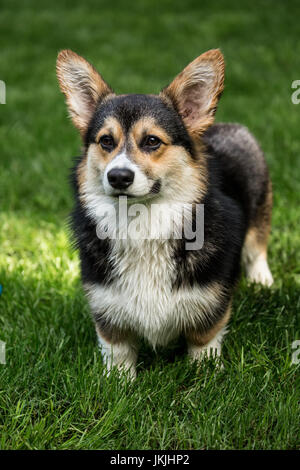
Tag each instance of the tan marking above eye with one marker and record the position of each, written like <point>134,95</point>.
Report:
<point>148,126</point>
<point>111,127</point>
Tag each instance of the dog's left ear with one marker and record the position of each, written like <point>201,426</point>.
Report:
<point>195,92</point>
<point>82,86</point>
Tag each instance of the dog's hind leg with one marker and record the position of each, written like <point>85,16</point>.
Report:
<point>256,243</point>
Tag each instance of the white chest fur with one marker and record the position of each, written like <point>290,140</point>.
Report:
<point>141,297</point>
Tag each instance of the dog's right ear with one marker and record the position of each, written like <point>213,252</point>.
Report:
<point>195,92</point>
<point>82,86</point>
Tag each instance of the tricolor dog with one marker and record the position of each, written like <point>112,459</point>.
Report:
<point>163,157</point>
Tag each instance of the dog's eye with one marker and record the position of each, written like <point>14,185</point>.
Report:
<point>107,142</point>
<point>151,142</point>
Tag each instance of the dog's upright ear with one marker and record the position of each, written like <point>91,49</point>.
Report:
<point>195,92</point>
<point>82,86</point>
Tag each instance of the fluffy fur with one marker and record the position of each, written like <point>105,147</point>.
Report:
<point>151,285</point>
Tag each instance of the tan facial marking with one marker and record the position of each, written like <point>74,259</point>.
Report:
<point>111,127</point>
<point>162,160</point>
<point>99,156</point>
<point>82,174</point>
<point>96,157</point>
<point>147,126</point>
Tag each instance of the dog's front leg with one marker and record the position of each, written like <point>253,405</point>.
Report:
<point>208,344</point>
<point>119,349</point>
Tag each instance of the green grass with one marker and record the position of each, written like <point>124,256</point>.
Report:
<point>52,392</point>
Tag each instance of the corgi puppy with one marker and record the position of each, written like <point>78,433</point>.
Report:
<point>162,157</point>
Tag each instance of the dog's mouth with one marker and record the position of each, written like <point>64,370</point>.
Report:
<point>156,187</point>
<point>122,194</point>
<point>155,190</point>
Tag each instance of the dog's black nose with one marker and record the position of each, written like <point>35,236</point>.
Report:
<point>120,178</point>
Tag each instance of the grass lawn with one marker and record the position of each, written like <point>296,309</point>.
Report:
<point>52,393</point>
